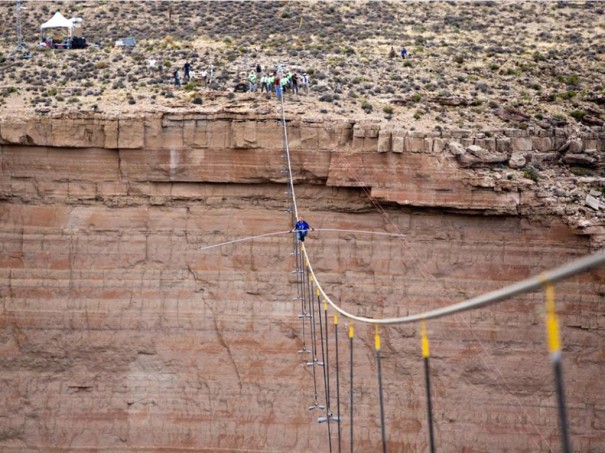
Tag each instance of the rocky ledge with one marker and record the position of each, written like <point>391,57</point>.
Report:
<point>530,172</point>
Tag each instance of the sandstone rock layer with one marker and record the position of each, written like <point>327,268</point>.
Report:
<point>118,332</point>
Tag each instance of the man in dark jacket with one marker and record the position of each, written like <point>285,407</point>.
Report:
<point>187,69</point>
<point>302,229</point>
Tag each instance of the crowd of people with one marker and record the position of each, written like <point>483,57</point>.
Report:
<point>277,81</point>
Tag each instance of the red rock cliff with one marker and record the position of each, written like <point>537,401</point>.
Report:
<point>119,333</point>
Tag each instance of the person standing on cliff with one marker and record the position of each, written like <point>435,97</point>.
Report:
<point>187,70</point>
<point>277,84</point>
<point>302,229</point>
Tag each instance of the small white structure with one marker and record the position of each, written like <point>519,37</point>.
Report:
<point>62,33</point>
<point>58,21</point>
<point>128,42</point>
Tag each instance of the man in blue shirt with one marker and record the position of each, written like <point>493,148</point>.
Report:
<point>302,229</point>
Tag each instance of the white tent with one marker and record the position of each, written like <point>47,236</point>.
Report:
<point>58,21</point>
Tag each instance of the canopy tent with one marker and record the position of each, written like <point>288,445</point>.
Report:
<point>58,21</point>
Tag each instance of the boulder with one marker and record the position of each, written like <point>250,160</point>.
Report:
<point>469,160</point>
<point>584,160</point>
<point>517,160</point>
<point>592,202</point>
<point>456,148</point>
<point>575,146</point>
<point>384,141</point>
<point>477,151</point>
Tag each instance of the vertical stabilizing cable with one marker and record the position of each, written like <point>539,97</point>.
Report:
<point>378,366</point>
<point>337,380</point>
<point>327,361</point>
<point>303,308</point>
<point>351,333</point>
<point>554,348</point>
<point>326,382</point>
<point>314,362</point>
<point>427,382</point>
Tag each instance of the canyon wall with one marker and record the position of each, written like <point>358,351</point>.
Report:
<point>120,330</point>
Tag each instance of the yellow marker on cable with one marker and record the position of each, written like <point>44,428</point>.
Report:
<point>377,338</point>
<point>317,292</point>
<point>552,322</point>
<point>325,306</point>
<point>336,319</point>
<point>424,339</point>
<point>351,331</point>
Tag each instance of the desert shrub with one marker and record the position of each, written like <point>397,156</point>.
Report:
<point>388,109</point>
<point>366,106</point>
<point>578,115</point>
<point>197,100</point>
<point>530,172</point>
<point>191,86</point>
<point>581,171</point>
<point>572,80</point>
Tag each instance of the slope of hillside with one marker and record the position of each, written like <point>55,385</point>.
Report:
<point>470,64</point>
